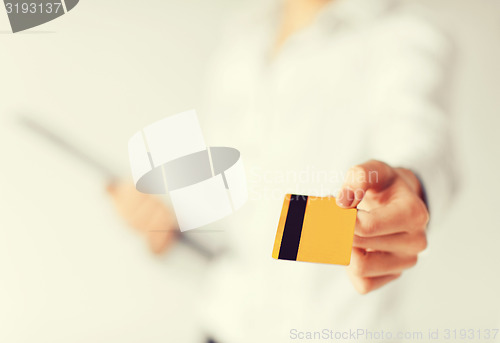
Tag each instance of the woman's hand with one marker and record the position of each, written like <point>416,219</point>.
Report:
<point>391,224</point>
<point>146,213</point>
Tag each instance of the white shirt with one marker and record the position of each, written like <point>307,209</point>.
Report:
<point>365,81</point>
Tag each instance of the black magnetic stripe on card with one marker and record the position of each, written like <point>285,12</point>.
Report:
<point>293,227</point>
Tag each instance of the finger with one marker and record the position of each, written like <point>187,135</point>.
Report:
<point>158,243</point>
<point>373,174</point>
<point>161,232</point>
<point>403,242</point>
<point>400,215</point>
<point>377,263</point>
<point>366,285</point>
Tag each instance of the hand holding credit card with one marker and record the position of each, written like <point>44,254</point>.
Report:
<point>386,226</point>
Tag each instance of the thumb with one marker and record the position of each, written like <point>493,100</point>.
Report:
<point>373,175</point>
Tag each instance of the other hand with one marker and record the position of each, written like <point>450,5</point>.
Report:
<point>146,213</point>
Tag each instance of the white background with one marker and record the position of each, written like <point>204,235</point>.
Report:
<point>70,271</point>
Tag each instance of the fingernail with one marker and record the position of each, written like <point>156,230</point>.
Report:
<point>345,198</point>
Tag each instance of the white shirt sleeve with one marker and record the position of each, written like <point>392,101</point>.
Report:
<point>411,125</point>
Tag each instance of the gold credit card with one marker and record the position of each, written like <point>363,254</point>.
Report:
<point>314,229</point>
